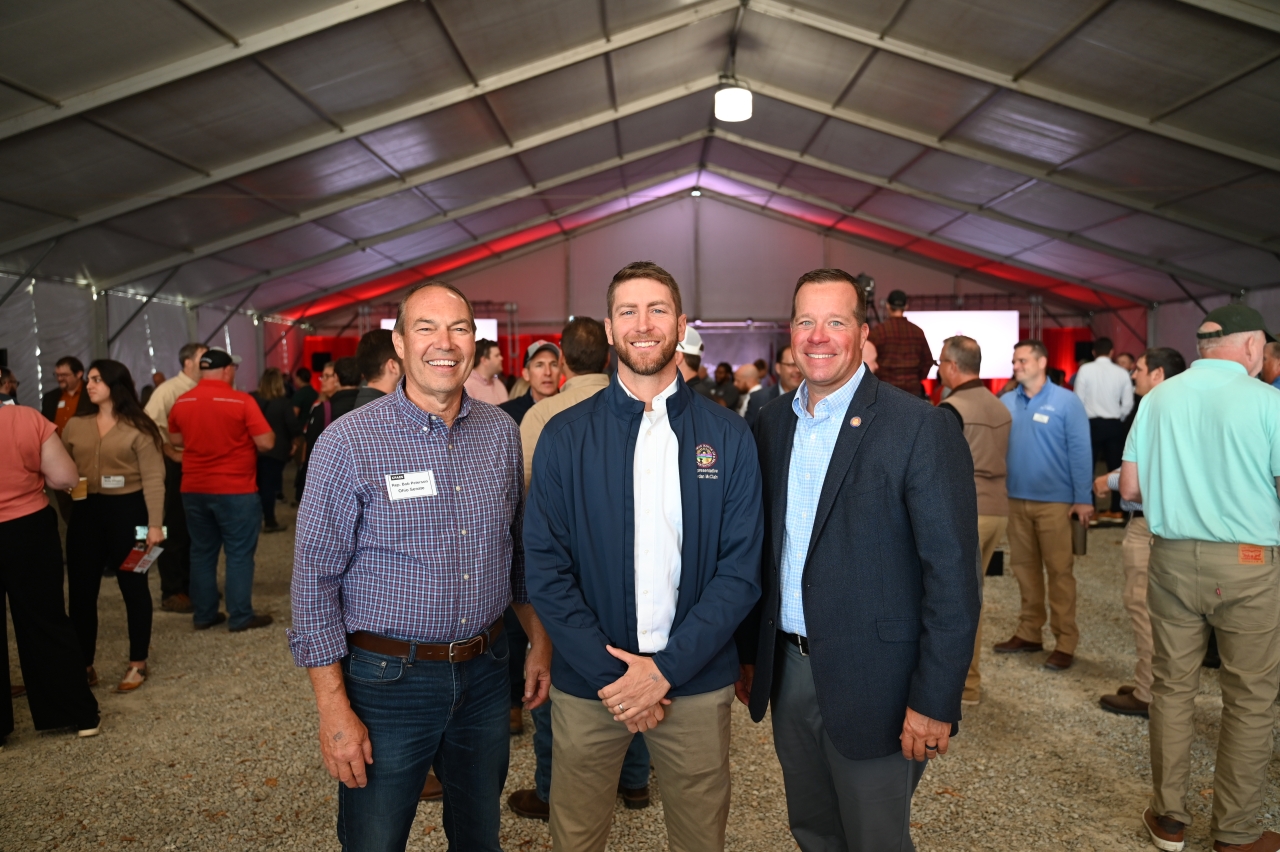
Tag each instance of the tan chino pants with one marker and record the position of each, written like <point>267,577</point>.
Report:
<point>1235,589</point>
<point>991,529</point>
<point>1136,549</point>
<point>1040,544</point>
<point>690,752</point>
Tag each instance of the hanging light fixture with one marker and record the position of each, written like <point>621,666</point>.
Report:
<point>733,100</point>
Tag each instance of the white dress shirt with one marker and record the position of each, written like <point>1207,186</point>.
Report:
<point>746,398</point>
<point>1105,389</point>
<point>659,524</point>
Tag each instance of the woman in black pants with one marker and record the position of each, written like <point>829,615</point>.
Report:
<point>31,456</point>
<point>117,449</point>
<point>278,411</point>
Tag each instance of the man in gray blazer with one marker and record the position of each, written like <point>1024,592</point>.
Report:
<point>870,601</point>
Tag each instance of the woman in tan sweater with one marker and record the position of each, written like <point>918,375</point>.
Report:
<point>117,449</point>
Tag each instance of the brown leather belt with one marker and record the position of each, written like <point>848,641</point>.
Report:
<point>450,652</point>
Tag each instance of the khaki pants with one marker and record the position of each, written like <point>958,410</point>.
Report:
<point>991,529</point>
<point>690,751</point>
<point>1040,543</point>
<point>1136,548</point>
<point>1194,586</point>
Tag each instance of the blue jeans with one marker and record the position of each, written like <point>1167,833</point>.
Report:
<point>453,716</point>
<point>635,767</point>
<point>215,522</point>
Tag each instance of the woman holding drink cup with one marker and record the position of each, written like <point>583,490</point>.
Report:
<point>117,452</point>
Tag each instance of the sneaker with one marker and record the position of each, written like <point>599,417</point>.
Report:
<point>177,603</point>
<point>85,733</point>
<point>253,623</point>
<point>1167,834</point>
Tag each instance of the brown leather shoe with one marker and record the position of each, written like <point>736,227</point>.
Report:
<point>252,624</point>
<point>1124,704</point>
<point>177,603</point>
<point>525,803</point>
<point>1059,661</point>
<point>217,619</point>
<point>1268,842</point>
<point>1167,834</point>
<point>432,790</point>
<point>91,675</point>
<point>133,678</point>
<point>1127,689</point>
<point>517,721</point>
<point>1017,645</point>
<point>636,799</point>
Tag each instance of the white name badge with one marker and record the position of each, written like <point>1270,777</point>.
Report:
<point>113,482</point>
<point>1040,418</point>
<point>62,403</point>
<point>406,486</point>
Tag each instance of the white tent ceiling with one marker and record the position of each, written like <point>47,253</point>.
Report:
<point>271,155</point>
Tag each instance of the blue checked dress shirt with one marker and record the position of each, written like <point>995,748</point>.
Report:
<point>811,449</point>
<point>426,569</point>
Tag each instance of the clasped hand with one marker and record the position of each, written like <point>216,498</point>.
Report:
<point>636,699</point>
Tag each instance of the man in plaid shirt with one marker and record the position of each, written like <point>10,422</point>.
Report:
<point>901,349</point>
<point>408,552</point>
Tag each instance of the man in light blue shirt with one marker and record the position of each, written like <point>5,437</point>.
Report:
<point>1050,465</point>
<point>1203,457</point>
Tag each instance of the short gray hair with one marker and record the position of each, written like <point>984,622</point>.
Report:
<point>422,285</point>
<point>1205,345</point>
<point>965,352</point>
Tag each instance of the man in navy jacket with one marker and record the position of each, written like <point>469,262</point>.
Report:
<point>870,606</point>
<point>642,541</point>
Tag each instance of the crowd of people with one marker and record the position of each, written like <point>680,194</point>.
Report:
<point>622,541</point>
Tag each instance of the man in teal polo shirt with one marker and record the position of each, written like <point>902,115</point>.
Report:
<point>1203,457</point>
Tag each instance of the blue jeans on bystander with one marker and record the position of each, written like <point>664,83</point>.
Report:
<point>216,522</point>
<point>453,716</point>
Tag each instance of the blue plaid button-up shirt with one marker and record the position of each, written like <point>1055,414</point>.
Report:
<point>426,569</point>
<point>811,449</point>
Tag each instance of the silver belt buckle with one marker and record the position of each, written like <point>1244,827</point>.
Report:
<point>464,643</point>
<point>802,644</point>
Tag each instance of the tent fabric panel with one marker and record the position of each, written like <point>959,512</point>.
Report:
<point>803,211</point>
<point>72,167</point>
<point>425,242</point>
<point>284,248</point>
<point>844,191</point>
<point>797,58</point>
<point>1001,36</point>
<point>1073,260</point>
<point>245,17</point>
<point>218,117</point>
<point>1155,237</point>
<point>96,253</point>
<point>324,275</point>
<point>573,152</point>
<point>475,185</point>
<point>580,191</point>
<point>112,41</point>
<point>151,341</point>
<point>196,278</point>
<point>1245,113</point>
<point>989,235</point>
<point>1251,205</point>
<point>371,63</point>
<point>671,59</point>
<point>861,148</point>
<point>1243,265</point>
<point>910,212</point>
<point>755,163</point>
<point>1053,206</point>
<point>671,120</point>
<point>16,220</point>
<point>1034,130</point>
<point>959,178</point>
<point>685,155</point>
<point>378,217</point>
<point>1143,56</point>
<point>664,235</point>
<point>624,14</point>
<point>438,137</point>
<point>1149,284</point>
<point>776,123</point>
<point>923,97</point>
<point>494,37</point>
<point>534,281</point>
<point>553,99</point>
<point>14,103</point>
<point>504,216</point>
<point>197,218</point>
<point>873,15</point>
<point>299,184</point>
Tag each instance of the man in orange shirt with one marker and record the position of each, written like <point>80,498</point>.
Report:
<point>220,431</point>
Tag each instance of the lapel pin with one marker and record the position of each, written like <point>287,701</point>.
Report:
<point>855,422</point>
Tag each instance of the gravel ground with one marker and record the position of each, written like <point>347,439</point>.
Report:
<point>217,751</point>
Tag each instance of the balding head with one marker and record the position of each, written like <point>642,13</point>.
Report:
<point>746,377</point>
<point>1244,347</point>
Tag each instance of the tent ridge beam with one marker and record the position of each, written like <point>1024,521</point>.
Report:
<point>385,118</point>
<point>410,179</point>
<point>786,11</point>
<point>985,212</point>
<point>194,64</point>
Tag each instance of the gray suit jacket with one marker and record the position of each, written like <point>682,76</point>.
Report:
<point>890,592</point>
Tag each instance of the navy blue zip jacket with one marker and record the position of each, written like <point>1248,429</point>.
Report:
<point>579,538</point>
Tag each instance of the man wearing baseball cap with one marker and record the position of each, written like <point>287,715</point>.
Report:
<point>542,372</point>
<point>689,359</point>
<point>1203,457</point>
<point>220,431</point>
<point>902,352</point>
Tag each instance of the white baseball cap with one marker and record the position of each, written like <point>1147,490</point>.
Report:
<point>692,343</point>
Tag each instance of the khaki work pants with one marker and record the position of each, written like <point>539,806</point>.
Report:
<point>991,529</point>
<point>1136,549</point>
<point>1235,590</point>
<point>1040,543</point>
<point>690,751</point>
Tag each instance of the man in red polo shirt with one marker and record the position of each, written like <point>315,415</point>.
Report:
<point>220,431</point>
